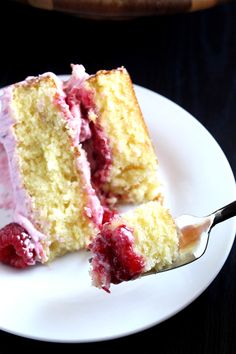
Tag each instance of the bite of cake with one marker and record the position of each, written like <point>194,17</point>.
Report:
<point>132,244</point>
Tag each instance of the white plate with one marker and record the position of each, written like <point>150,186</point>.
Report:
<point>58,303</point>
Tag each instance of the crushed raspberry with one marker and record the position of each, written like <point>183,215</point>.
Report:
<point>16,248</point>
<point>101,155</point>
<point>108,214</point>
<point>95,141</point>
<point>115,259</point>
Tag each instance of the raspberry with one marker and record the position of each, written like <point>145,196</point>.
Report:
<point>108,215</point>
<point>114,258</point>
<point>16,248</point>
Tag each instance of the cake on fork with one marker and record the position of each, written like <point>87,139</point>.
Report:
<point>132,244</point>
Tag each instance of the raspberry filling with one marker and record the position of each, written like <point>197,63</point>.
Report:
<point>92,135</point>
<point>114,258</point>
<point>16,247</point>
<point>99,155</point>
<point>108,214</point>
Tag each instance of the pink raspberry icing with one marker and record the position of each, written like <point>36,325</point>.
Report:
<point>92,135</point>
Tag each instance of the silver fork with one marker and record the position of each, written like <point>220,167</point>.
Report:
<point>194,233</point>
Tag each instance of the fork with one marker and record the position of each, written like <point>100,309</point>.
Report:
<point>194,233</point>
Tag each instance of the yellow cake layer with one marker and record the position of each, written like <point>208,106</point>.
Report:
<point>47,163</point>
<point>155,234</point>
<point>133,176</point>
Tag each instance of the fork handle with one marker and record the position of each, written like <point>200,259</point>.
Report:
<point>224,213</point>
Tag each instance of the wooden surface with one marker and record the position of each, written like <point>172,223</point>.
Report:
<point>122,8</point>
<point>190,59</point>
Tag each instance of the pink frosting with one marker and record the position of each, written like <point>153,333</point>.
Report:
<point>73,88</point>
<point>22,203</point>
<point>81,131</point>
<point>6,197</point>
<point>95,141</point>
<point>19,199</point>
<point>93,210</point>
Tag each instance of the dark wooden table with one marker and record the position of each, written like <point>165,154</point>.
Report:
<point>189,58</point>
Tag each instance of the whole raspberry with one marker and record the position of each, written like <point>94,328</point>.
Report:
<point>16,248</point>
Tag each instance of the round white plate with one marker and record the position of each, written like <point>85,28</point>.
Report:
<point>58,303</point>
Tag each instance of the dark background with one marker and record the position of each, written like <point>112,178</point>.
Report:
<point>189,58</point>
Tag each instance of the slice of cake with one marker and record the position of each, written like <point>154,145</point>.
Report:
<point>123,163</point>
<point>55,203</point>
<point>132,244</point>
<point>73,149</point>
